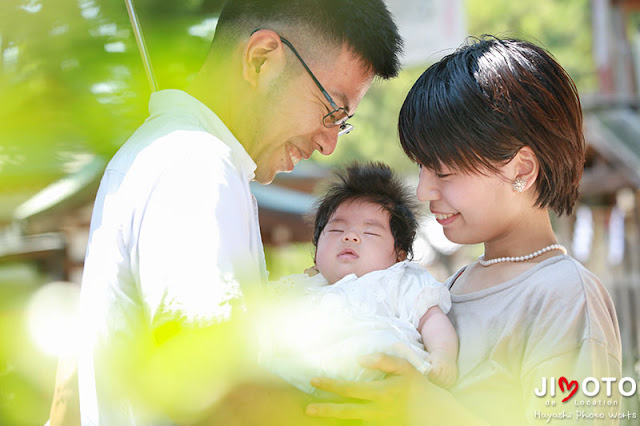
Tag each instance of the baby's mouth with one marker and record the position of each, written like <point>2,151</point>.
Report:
<point>348,254</point>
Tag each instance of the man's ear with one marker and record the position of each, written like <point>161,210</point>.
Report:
<point>263,58</point>
<point>526,166</point>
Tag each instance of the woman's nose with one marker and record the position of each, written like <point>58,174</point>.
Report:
<point>427,190</point>
<point>351,236</point>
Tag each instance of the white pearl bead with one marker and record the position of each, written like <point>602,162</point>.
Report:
<point>533,255</point>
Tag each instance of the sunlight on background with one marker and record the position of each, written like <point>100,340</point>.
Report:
<point>52,318</point>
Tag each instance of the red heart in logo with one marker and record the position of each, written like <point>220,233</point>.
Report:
<point>562,382</point>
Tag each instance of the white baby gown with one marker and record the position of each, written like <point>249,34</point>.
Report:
<point>320,330</point>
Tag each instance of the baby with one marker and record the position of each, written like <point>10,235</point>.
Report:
<point>365,297</point>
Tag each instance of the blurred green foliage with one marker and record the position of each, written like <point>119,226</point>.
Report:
<point>289,259</point>
<point>562,27</point>
<point>26,374</point>
<point>73,85</point>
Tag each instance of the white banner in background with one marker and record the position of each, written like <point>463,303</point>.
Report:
<point>431,28</point>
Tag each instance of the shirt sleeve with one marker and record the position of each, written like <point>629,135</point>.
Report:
<point>193,243</point>
<point>576,339</point>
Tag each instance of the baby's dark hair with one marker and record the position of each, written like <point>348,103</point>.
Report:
<point>475,109</point>
<point>375,183</point>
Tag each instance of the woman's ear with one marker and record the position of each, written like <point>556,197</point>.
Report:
<point>525,169</point>
<point>263,58</point>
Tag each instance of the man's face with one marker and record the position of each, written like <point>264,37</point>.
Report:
<point>356,240</point>
<point>290,127</point>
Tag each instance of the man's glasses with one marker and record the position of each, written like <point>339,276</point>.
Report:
<point>339,115</point>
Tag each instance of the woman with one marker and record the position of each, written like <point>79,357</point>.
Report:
<point>496,128</point>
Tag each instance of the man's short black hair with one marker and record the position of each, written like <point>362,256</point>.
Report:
<point>366,26</point>
<point>374,183</point>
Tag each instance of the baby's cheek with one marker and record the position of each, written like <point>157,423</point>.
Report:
<point>324,266</point>
<point>321,252</point>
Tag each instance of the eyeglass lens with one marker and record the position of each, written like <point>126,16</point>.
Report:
<point>345,128</point>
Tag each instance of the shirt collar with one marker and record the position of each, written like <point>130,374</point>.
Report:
<point>172,100</point>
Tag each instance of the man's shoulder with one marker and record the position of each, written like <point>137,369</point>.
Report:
<point>191,142</point>
<point>155,147</point>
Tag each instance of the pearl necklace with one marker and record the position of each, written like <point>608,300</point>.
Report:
<point>522,258</point>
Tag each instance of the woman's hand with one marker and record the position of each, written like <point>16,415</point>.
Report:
<point>397,399</point>
<point>404,397</point>
<point>444,370</point>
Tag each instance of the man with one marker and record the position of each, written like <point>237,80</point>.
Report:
<point>175,244</point>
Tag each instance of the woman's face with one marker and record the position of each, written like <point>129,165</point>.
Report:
<point>356,240</point>
<point>471,207</point>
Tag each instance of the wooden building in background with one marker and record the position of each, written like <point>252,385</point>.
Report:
<point>605,230</point>
<point>51,229</point>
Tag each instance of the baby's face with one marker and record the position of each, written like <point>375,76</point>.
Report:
<point>356,240</point>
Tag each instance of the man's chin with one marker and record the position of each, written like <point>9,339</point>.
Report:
<point>263,182</point>
<point>265,178</point>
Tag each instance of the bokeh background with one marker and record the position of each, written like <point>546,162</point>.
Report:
<point>72,89</point>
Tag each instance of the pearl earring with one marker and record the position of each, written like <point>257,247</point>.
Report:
<point>519,184</point>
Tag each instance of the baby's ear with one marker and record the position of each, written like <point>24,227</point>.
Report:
<point>402,255</point>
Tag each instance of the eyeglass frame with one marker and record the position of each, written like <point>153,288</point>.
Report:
<point>345,127</point>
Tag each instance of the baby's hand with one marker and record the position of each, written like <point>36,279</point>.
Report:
<point>444,371</point>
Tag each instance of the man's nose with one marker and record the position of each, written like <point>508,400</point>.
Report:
<point>327,140</point>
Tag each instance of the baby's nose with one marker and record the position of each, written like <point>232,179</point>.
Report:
<point>351,237</point>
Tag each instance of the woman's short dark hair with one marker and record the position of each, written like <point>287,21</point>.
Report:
<point>374,183</point>
<point>365,26</point>
<point>474,109</point>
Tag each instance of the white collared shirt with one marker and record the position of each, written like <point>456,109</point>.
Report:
<point>174,232</point>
